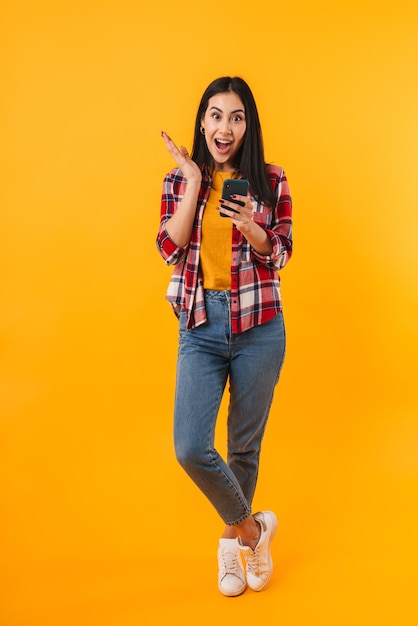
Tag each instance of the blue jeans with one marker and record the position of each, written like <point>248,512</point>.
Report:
<point>208,355</point>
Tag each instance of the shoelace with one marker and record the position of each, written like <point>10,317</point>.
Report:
<point>252,561</point>
<point>229,563</point>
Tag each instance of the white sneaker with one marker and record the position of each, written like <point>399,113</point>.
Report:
<point>231,576</point>
<point>259,562</point>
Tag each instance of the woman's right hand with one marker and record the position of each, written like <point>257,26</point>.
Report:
<point>180,225</point>
<point>182,158</point>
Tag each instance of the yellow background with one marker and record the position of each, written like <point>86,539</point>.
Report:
<point>98,524</point>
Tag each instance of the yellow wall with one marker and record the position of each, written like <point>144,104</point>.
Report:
<point>93,503</point>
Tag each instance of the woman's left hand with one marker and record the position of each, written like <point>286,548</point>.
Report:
<point>241,216</point>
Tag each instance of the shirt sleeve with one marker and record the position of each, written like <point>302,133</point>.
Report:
<point>280,232</point>
<point>172,193</point>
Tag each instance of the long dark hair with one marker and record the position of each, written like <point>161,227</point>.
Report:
<point>249,160</point>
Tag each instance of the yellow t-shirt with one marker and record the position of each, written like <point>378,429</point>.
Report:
<point>215,248</point>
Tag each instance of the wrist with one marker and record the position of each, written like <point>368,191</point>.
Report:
<point>249,229</point>
<point>193,184</point>
<point>259,239</point>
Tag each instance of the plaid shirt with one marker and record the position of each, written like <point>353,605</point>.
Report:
<point>255,282</point>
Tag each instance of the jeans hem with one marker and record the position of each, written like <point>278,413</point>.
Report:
<point>240,520</point>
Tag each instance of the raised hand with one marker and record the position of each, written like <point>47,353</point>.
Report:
<point>182,158</point>
<point>180,225</point>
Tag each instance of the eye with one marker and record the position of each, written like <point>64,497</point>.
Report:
<point>216,116</point>
<point>237,118</point>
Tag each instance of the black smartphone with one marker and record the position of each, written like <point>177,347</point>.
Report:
<point>233,186</point>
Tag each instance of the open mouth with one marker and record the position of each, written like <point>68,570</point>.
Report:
<point>223,146</point>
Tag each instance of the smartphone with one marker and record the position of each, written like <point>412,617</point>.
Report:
<point>233,186</point>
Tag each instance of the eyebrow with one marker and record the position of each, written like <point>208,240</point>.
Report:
<point>220,110</point>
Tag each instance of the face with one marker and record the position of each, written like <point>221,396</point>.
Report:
<point>224,123</point>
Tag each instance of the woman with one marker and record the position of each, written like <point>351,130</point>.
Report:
<point>225,289</point>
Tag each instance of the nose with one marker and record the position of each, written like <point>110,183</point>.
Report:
<point>226,126</point>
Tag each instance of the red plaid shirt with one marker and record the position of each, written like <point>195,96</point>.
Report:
<point>255,282</point>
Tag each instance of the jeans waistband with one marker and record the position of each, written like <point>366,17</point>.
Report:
<point>214,294</point>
